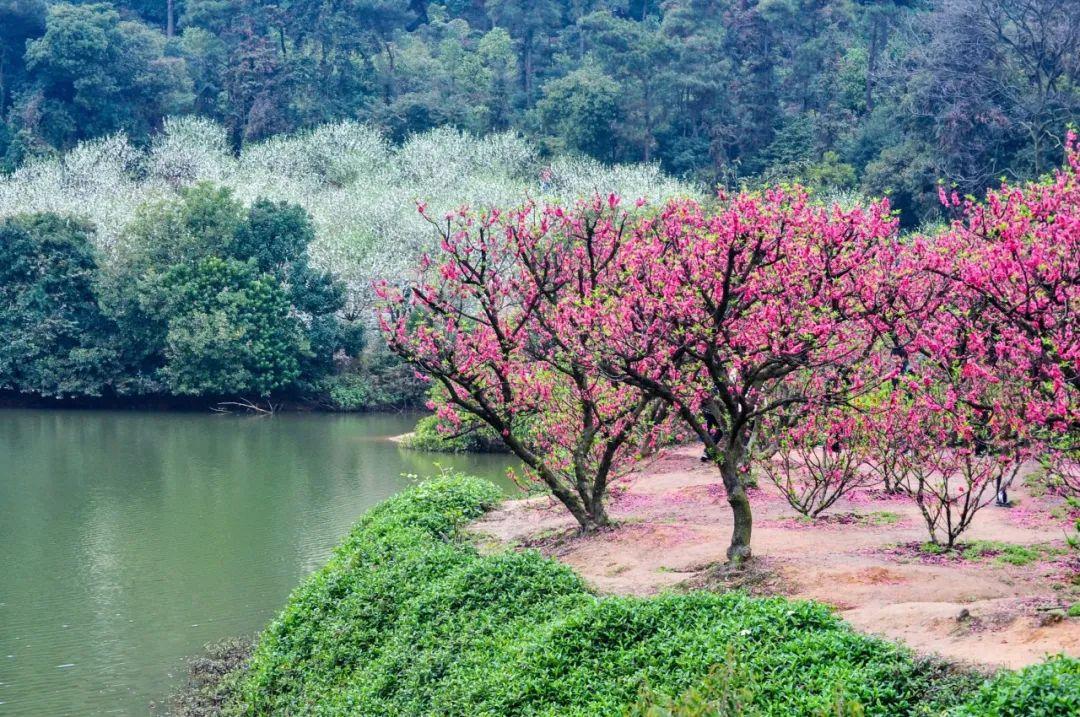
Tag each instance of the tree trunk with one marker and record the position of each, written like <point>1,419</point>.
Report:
<point>731,471</point>
<point>527,68</point>
<point>170,20</point>
<point>871,64</point>
<point>597,514</point>
<point>739,550</point>
<point>587,511</point>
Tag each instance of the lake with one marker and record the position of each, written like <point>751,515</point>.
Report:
<point>129,540</point>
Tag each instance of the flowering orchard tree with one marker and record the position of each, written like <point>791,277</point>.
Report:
<point>1016,257</point>
<point>730,315</point>
<point>495,322</point>
<point>955,425</point>
<point>817,460</point>
<point>953,452</point>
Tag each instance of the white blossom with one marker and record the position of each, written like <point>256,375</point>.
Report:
<point>361,191</point>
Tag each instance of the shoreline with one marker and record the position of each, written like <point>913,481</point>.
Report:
<point>175,404</point>
<point>670,538</point>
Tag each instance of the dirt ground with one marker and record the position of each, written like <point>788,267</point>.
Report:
<point>674,525</point>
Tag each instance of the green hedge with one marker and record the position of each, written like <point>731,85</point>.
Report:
<point>408,618</point>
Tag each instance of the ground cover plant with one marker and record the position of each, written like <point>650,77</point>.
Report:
<point>407,618</point>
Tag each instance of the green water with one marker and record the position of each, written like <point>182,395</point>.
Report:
<point>129,540</point>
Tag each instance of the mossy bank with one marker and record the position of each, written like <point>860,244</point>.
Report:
<point>408,618</point>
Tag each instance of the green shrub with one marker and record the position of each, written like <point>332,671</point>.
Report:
<point>407,618</point>
<point>473,436</point>
<point>378,381</point>
<point>1050,689</point>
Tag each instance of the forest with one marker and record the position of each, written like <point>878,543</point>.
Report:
<point>326,123</point>
<point>881,97</point>
<point>185,272</point>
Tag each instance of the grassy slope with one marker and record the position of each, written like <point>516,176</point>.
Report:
<point>408,619</point>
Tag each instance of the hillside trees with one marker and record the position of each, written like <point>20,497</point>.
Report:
<point>226,301</point>
<point>20,20</point>
<point>878,96</point>
<point>54,338</point>
<point>94,73</point>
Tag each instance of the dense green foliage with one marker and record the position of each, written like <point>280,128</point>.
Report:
<point>228,329</point>
<point>408,618</point>
<point>208,299</point>
<point>473,436</point>
<point>225,300</point>
<point>1050,689</point>
<point>881,95</point>
<point>54,338</point>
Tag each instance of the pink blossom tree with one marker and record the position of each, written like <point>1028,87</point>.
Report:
<point>728,315</point>
<point>955,426</point>
<point>1017,256</point>
<point>953,451</point>
<point>819,459</point>
<point>494,321</point>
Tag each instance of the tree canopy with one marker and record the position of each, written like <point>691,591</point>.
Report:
<point>887,97</point>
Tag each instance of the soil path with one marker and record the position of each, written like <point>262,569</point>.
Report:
<point>674,526</point>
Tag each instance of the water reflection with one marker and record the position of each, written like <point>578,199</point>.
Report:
<point>128,540</point>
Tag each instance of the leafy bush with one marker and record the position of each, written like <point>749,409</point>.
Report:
<point>54,338</point>
<point>408,619</point>
<point>1050,689</point>
<point>378,380</point>
<point>473,436</point>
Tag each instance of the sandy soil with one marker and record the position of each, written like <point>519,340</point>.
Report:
<point>674,526</point>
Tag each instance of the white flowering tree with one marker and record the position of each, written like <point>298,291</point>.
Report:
<point>360,190</point>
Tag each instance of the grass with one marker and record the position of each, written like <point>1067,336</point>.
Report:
<point>1008,553</point>
<point>1001,553</point>
<point>884,517</point>
<point>877,517</point>
<point>408,618</point>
